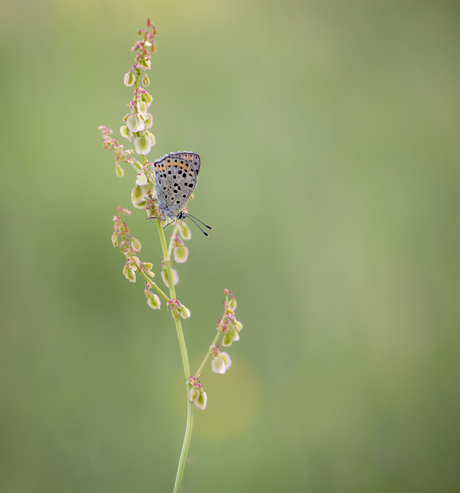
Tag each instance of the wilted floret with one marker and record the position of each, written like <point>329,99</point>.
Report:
<point>148,120</point>
<point>196,394</point>
<point>142,144</point>
<point>141,179</point>
<point>174,274</point>
<point>221,362</point>
<point>181,254</point>
<point>135,122</point>
<point>154,302</point>
<point>129,79</point>
<point>139,195</point>
<point>124,131</point>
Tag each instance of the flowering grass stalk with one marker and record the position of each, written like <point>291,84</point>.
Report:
<point>145,196</point>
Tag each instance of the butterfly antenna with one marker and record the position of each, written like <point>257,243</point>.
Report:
<point>199,220</point>
<point>198,226</point>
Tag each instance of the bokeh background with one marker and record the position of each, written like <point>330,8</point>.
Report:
<point>329,137</point>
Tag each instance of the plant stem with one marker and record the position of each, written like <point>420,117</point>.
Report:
<point>185,362</point>
<point>147,278</point>
<point>200,369</point>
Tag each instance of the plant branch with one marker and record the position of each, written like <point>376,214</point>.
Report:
<point>185,362</point>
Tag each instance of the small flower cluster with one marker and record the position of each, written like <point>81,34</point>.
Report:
<point>178,309</point>
<point>129,246</point>
<point>221,362</point>
<point>229,325</point>
<point>196,394</point>
<point>146,46</point>
<point>153,299</point>
<point>120,153</point>
<point>180,250</point>
<point>139,121</point>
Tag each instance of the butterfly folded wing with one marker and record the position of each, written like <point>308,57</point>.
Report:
<point>176,176</point>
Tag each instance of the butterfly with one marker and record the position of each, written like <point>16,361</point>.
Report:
<point>176,176</point>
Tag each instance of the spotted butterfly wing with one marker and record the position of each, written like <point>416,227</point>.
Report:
<point>176,176</point>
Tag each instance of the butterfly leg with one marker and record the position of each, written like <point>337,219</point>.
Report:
<point>172,222</point>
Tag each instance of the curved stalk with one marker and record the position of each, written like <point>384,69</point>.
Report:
<point>185,362</point>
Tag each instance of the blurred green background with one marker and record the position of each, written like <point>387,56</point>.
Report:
<point>329,137</point>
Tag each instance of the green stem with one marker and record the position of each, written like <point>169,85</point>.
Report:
<point>200,369</point>
<point>147,278</point>
<point>185,362</point>
<point>176,227</point>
